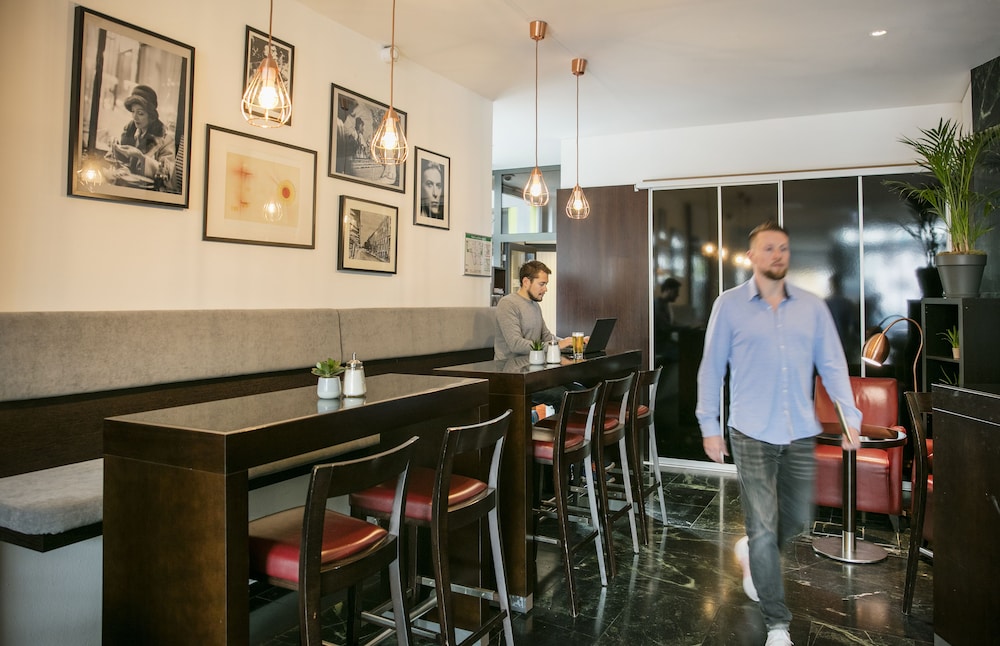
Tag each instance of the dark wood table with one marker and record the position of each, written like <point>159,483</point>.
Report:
<point>176,482</point>
<point>848,548</point>
<point>512,383</point>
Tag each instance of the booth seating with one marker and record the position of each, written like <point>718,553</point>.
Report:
<point>65,372</point>
<point>879,471</point>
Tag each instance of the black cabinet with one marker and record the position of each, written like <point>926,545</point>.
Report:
<point>976,320</point>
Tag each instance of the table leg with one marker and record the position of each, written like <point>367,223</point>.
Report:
<point>848,548</point>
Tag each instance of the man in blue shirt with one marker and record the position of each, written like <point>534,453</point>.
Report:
<point>771,336</point>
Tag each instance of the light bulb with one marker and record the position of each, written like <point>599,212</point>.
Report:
<point>268,97</point>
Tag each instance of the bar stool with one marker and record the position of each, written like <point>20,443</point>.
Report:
<point>443,500</point>
<point>614,407</point>
<point>920,406</point>
<point>316,551</point>
<point>560,449</point>
<point>642,427</point>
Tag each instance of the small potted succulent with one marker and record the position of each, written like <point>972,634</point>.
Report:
<point>537,355</point>
<point>329,378</point>
<point>951,336</point>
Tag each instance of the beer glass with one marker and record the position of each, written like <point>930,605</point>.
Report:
<point>578,345</point>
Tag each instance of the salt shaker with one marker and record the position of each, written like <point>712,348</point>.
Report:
<point>354,378</point>
<point>553,354</point>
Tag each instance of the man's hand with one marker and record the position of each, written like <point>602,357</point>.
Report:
<point>565,343</point>
<point>851,440</point>
<point>715,448</point>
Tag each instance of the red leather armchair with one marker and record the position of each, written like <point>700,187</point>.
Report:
<point>880,471</point>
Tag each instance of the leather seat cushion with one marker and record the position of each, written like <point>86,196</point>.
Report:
<point>275,541</point>
<point>418,494</point>
<point>576,423</point>
<point>543,448</point>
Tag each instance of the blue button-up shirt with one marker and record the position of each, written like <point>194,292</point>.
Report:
<point>771,354</point>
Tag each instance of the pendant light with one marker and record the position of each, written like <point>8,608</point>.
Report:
<point>389,143</point>
<point>536,193</point>
<point>578,207</point>
<point>266,103</point>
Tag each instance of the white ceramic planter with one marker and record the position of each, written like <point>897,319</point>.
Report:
<point>328,388</point>
<point>536,357</point>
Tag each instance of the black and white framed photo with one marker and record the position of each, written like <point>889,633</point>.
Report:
<point>368,233</point>
<point>130,113</point>
<point>282,52</point>
<point>354,118</point>
<point>432,198</point>
<point>258,191</point>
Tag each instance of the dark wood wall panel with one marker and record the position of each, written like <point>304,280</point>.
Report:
<point>603,267</point>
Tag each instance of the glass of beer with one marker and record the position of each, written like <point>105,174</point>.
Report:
<point>578,345</point>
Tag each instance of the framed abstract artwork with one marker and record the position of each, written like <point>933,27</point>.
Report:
<point>354,118</point>
<point>130,113</point>
<point>368,233</point>
<point>259,191</point>
<point>432,197</point>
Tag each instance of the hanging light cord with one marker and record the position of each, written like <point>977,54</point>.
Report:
<point>577,129</point>
<point>392,54</point>
<point>536,100</point>
<point>270,29</point>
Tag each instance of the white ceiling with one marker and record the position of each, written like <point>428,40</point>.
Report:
<point>664,64</point>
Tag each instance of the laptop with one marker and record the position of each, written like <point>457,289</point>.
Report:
<point>599,338</point>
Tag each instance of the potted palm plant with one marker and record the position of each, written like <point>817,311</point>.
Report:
<point>951,156</point>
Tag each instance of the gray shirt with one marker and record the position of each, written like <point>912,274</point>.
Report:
<point>518,323</point>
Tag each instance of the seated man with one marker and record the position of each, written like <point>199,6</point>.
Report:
<point>519,323</point>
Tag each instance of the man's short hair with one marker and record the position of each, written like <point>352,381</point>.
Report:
<point>770,225</point>
<point>531,269</point>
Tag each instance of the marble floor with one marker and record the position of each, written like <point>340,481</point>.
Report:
<point>684,588</point>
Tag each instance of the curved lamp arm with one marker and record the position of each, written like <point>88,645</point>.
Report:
<point>876,348</point>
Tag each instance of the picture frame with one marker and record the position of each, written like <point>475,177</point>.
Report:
<point>130,113</point>
<point>368,236</point>
<point>258,191</point>
<point>432,192</point>
<point>354,118</point>
<point>283,53</point>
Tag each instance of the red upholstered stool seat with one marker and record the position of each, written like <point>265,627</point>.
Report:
<point>275,541</point>
<point>577,422</point>
<point>419,494</point>
<point>543,447</point>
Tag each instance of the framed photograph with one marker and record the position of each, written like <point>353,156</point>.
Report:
<point>283,53</point>
<point>130,113</point>
<point>367,235</point>
<point>432,198</point>
<point>353,121</point>
<point>259,191</point>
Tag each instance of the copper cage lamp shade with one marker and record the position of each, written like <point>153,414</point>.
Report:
<point>536,193</point>
<point>578,207</point>
<point>389,143</point>
<point>876,348</point>
<point>266,102</point>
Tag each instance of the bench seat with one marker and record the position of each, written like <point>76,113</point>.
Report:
<point>43,509</point>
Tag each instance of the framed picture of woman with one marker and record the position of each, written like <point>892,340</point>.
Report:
<point>130,113</point>
<point>432,198</point>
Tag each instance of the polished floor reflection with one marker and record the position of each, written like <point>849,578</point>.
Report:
<point>684,588</point>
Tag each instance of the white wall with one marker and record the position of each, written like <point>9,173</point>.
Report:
<point>66,253</point>
<point>827,141</point>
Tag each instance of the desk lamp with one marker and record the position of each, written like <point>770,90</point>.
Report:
<point>876,348</point>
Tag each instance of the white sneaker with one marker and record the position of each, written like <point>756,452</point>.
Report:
<point>778,637</point>
<point>742,551</point>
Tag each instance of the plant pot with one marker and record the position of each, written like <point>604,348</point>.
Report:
<point>536,357</point>
<point>956,353</point>
<point>328,388</point>
<point>961,274</point>
<point>929,280</point>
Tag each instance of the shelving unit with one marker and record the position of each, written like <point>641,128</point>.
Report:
<point>977,320</point>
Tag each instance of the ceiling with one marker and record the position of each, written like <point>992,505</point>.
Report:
<point>665,64</point>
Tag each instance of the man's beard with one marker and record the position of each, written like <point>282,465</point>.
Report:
<point>775,275</point>
<point>537,299</point>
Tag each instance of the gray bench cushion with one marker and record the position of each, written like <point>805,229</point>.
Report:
<point>55,500</point>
